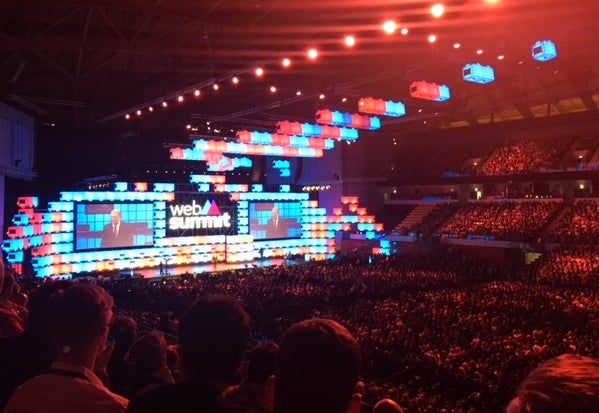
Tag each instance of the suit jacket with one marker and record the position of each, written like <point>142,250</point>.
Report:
<point>124,237</point>
<point>281,230</point>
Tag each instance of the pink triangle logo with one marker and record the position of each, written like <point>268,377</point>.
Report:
<point>214,209</point>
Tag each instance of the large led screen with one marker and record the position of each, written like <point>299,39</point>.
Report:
<point>272,220</point>
<point>113,225</point>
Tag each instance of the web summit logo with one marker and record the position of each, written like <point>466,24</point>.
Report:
<point>194,216</point>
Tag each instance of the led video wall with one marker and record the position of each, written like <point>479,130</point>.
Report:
<point>140,225</point>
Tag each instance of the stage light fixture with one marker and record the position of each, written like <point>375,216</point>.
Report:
<point>298,93</point>
<point>389,27</point>
<point>215,86</point>
<point>437,10</point>
<point>138,112</point>
<point>479,52</point>
<point>500,57</point>
<point>457,45</point>
<point>404,31</point>
<point>235,80</point>
<point>321,96</point>
<point>478,73</point>
<point>432,38</point>
<point>180,99</point>
<point>273,89</point>
<point>127,116</point>
<point>151,109</point>
<point>350,41</point>
<point>312,53</point>
<point>196,92</point>
<point>164,104</point>
<point>544,50</point>
<point>286,62</point>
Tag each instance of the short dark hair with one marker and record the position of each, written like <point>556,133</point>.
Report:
<point>317,368</point>
<point>564,384</point>
<point>213,336</point>
<point>148,353</point>
<point>124,333</point>
<point>78,315</point>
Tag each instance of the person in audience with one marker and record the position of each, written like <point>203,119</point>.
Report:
<point>123,334</point>
<point>317,369</point>
<point>32,352</point>
<point>564,384</point>
<point>252,390</point>
<point>11,321</point>
<point>148,365</point>
<point>387,406</point>
<point>213,336</point>
<point>79,320</point>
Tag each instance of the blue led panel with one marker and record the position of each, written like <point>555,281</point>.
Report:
<point>544,50</point>
<point>477,73</point>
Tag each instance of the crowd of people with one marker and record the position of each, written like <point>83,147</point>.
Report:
<point>501,156</point>
<point>527,155</point>
<point>440,332</point>
<point>579,224</point>
<point>576,265</point>
<point>502,220</point>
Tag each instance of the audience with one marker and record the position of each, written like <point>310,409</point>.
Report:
<point>251,392</point>
<point>317,369</point>
<point>149,368</point>
<point>564,384</point>
<point>79,320</point>
<point>213,336</point>
<point>32,352</point>
<point>122,335</point>
<point>505,220</point>
<point>439,332</point>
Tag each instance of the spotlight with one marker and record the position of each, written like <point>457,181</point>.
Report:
<point>164,104</point>
<point>196,92</point>
<point>188,126</point>
<point>138,112</point>
<point>500,57</point>
<point>259,72</point>
<point>389,27</point>
<point>215,86</point>
<point>432,38</point>
<point>235,80</point>
<point>321,96</point>
<point>298,93</point>
<point>437,10</point>
<point>151,109</point>
<point>457,45</point>
<point>286,62</point>
<point>404,31</point>
<point>479,51</point>
<point>180,99</point>
<point>127,116</point>
<point>349,41</point>
<point>312,54</point>
<point>273,89</point>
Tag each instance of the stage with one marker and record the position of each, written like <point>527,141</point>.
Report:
<point>180,270</point>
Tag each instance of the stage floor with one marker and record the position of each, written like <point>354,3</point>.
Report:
<point>177,271</point>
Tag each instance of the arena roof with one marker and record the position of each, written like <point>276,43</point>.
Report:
<point>84,62</point>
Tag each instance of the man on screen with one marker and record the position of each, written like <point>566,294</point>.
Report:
<point>117,233</point>
<point>278,227</point>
